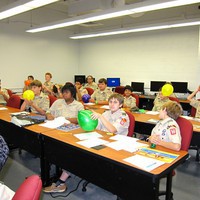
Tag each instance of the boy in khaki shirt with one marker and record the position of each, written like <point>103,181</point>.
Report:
<point>101,95</point>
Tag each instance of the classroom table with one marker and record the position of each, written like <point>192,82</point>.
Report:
<point>106,167</point>
<point>146,102</point>
<point>143,126</point>
<point>27,138</point>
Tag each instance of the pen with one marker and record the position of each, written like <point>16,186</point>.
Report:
<point>151,165</point>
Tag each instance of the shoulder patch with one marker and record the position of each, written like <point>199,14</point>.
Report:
<point>123,121</point>
<point>173,131</point>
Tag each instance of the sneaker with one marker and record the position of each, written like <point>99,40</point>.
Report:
<point>53,188</point>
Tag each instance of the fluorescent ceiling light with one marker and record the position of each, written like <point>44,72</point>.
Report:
<point>144,6</point>
<point>22,6</point>
<point>139,29</point>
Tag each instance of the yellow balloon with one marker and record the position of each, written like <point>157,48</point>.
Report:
<point>167,89</point>
<point>29,95</point>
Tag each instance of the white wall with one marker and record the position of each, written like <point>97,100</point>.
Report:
<point>169,55</point>
<point>24,54</point>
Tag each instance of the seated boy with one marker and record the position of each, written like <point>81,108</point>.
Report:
<point>194,102</point>
<point>4,96</point>
<point>48,84</point>
<point>101,95</point>
<point>167,132</point>
<point>159,101</point>
<point>28,82</point>
<point>40,103</point>
<point>90,83</point>
<point>67,107</point>
<point>80,90</point>
<point>129,101</point>
<point>114,120</point>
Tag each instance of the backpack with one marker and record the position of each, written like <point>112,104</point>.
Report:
<point>4,151</point>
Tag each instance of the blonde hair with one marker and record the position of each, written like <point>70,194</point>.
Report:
<point>117,96</point>
<point>173,109</point>
<point>36,83</point>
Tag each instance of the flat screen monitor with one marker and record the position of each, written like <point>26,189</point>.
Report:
<point>156,85</point>
<point>113,82</point>
<point>180,87</point>
<point>137,86</point>
<point>79,77</point>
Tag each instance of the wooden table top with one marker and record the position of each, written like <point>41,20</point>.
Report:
<point>69,138</point>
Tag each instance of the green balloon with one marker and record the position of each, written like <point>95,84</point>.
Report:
<point>85,121</point>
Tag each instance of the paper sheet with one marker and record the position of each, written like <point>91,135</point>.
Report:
<point>153,121</point>
<point>187,117</point>
<point>20,113</point>
<point>106,107</point>
<point>92,142</point>
<point>3,108</point>
<point>89,104</point>
<point>86,136</point>
<point>130,146</point>
<point>152,112</point>
<point>123,137</point>
<point>59,121</point>
<point>143,162</point>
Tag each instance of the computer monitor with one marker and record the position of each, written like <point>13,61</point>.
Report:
<point>79,77</point>
<point>180,87</point>
<point>156,85</point>
<point>138,87</point>
<point>113,82</point>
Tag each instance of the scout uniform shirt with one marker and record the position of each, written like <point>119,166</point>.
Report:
<point>118,119</point>
<point>49,85</point>
<point>94,86</point>
<point>158,103</point>
<point>61,109</point>
<point>41,101</point>
<point>168,130</point>
<point>99,95</point>
<point>82,91</point>
<point>130,102</point>
<point>2,100</point>
<point>196,104</point>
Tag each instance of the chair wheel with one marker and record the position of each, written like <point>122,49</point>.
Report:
<point>84,189</point>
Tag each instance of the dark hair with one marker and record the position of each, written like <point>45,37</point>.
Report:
<point>69,87</point>
<point>49,74</point>
<point>55,89</point>
<point>80,80</point>
<point>69,83</point>
<point>36,83</point>
<point>31,77</point>
<point>128,87</point>
<point>103,80</point>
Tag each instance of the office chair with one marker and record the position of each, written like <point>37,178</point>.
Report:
<point>89,90</point>
<point>131,125</point>
<point>136,98</point>
<point>30,189</point>
<point>174,99</point>
<point>186,130</point>
<point>130,134</point>
<point>119,89</point>
<point>9,92</point>
<point>51,99</point>
<point>14,101</point>
<point>193,113</point>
